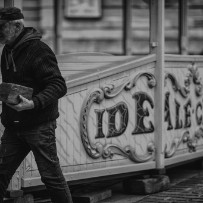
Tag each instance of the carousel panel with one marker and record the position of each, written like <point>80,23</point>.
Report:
<point>109,121</point>
<point>106,125</point>
<point>183,110</point>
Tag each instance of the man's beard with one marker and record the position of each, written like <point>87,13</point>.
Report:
<point>6,39</point>
<point>3,40</point>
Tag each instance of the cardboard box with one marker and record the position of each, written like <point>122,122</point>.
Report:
<point>9,92</point>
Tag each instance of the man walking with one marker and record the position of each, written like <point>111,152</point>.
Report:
<point>30,124</point>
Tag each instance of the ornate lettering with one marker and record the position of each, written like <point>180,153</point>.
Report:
<point>122,109</point>
<point>187,114</point>
<point>199,116</point>
<point>179,123</point>
<point>140,98</point>
<point>99,114</point>
<point>119,111</point>
<point>167,117</point>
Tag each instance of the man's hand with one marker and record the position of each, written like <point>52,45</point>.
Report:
<point>24,104</point>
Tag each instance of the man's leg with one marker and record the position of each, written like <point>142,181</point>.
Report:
<point>12,153</point>
<point>43,145</point>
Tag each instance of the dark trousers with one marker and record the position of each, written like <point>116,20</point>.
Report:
<point>17,143</point>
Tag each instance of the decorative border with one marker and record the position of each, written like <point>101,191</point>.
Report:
<point>97,150</point>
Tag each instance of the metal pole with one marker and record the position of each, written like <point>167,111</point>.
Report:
<point>153,26</point>
<point>157,43</point>
<point>8,3</point>
<point>57,26</point>
<point>127,27</point>
<point>183,38</point>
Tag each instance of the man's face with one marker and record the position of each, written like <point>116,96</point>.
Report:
<point>7,32</point>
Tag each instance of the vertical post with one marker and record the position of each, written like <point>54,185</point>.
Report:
<point>57,26</point>
<point>127,27</point>
<point>153,26</point>
<point>183,38</point>
<point>8,3</point>
<point>157,46</point>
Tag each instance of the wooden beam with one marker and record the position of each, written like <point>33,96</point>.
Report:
<point>127,27</point>
<point>58,26</point>
<point>8,3</point>
<point>183,38</point>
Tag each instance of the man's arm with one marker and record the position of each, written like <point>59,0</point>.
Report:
<point>50,80</point>
<point>48,77</point>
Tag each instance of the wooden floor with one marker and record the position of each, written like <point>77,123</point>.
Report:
<point>186,182</point>
<point>176,179</point>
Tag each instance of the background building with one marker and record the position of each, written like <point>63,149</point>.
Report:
<point>98,25</point>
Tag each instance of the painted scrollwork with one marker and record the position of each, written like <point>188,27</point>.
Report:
<point>97,150</point>
<point>192,76</point>
<point>111,90</point>
<point>140,159</point>
<point>110,149</point>
<point>190,141</point>
<point>175,144</point>
<point>184,91</point>
<point>94,150</point>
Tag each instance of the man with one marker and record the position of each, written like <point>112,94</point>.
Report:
<point>30,125</point>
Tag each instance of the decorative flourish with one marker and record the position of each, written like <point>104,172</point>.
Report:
<point>111,90</point>
<point>175,144</point>
<point>140,159</point>
<point>94,150</point>
<point>97,150</point>
<point>199,133</point>
<point>191,142</point>
<point>192,76</point>
<point>185,139</point>
<point>110,149</point>
<point>184,91</point>
<point>149,76</point>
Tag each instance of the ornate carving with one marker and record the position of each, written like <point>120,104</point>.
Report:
<point>110,149</point>
<point>140,159</point>
<point>97,150</point>
<point>184,91</point>
<point>93,150</point>
<point>175,144</point>
<point>192,76</point>
<point>191,142</point>
<point>111,91</point>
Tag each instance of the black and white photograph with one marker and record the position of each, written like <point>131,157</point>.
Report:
<point>101,101</point>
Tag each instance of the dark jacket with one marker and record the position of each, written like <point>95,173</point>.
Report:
<point>30,62</point>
